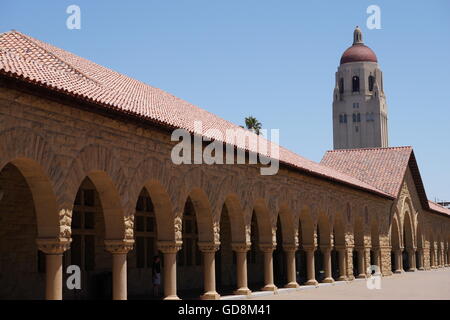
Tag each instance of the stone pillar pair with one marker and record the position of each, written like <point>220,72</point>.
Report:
<point>54,250</point>
<point>289,250</point>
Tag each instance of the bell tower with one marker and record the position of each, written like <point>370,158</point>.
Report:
<point>359,104</point>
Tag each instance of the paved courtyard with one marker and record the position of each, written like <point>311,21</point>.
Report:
<point>431,285</point>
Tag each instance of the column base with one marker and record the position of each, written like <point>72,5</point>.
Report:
<point>421,269</point>
<point>342,278</point>
<point>242,291</point>
<point>269,287</point>
<point>172,297</point>
<point>350,278</point>
<point>361,276</point>
<point>328,280</point>
<point>292,285</point>
<point>312,282</point>
<point>398,271</point>
<point>210,295</point>
<point>412,270</point>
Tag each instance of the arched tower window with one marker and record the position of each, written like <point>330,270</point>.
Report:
<point>355,84</point>
<point>341,85</point>
<point>371,82</point>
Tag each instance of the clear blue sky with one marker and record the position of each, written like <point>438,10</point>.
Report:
<point>274,60</point>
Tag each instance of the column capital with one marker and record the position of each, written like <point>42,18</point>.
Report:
<point>240,247</point>
<point>290,247</point>
<point>267,247</point>
<point>309,247</point>
<point>53,245</point>
<point>169,246</point>
<point>340,247</point>
<point>325,247</point>
<point>119,246</point>
<point>210,247</point>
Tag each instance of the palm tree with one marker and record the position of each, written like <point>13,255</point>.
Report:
<point>253,124</point>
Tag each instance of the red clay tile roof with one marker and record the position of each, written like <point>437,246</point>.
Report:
<point>39,63</point>
<point>438,208</point>
<point>383,168</point>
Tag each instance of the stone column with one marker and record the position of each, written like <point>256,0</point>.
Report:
<point>326,250</point>
<point>268,249</point>
<point>448,257</point>
<point>432,258</point>
<point>241,268</point>
<point>398,261</point>
<point>119,250</point>
<point>53,249</point>
<point>291,270</point>
<point>342,268</point>
<point>377,258</point>
<point>350,266</point>
<point>209,270</point>
<point>361,268</point>
<point>367,264</point>
<point>419,263</point>
<point>310,268</point>
<point>169,250</point>
<point>412,259</point>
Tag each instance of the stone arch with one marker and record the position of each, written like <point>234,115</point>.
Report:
<point>265,228</point>
<point>44,199</point>
<point>237,219</point>
<point>100,165</point>
<point>165,174</point>
<point>165,218</point>
<point>358,231</point>
<point>35,159</point>
<point>207,232</point>
<point>408,225</point>
<point>339,230</point>
<point>395,238</point>
<point>375,233</point>
<point>323,224</point>
<point>306,227</point>
<point>287,222</point>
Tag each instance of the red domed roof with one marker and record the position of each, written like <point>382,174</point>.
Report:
<point>358,52</point>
